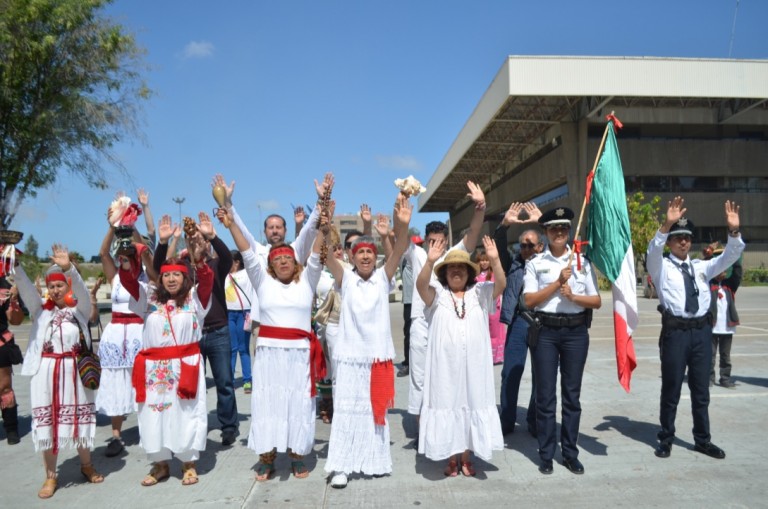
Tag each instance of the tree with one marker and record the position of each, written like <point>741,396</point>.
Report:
<point>644,221</point>
<point>70,88</point>
<point>30,247</point>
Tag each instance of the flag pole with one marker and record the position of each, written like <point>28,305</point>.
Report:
<point>584,204</point>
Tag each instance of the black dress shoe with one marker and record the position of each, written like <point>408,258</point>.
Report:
<point>663,450</point>
<point>710,450</point>
<point>574,465</point>
<point>546,467</point>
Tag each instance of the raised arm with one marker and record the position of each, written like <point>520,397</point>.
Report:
<point>500,279</point>
<point>426,292</point>
<point>143,197</point>
<point>302,246</point>
<point>478,197</point>
<point>107,263</point>
<point>299,216</point>
<point>365,215</point>
<point>382,228</point>
<point>402,216</point>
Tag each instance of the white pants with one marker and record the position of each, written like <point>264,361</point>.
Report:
<point>417,359</point>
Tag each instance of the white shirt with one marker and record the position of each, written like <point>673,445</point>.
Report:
<point>669,281</point>
<point>544,269</point>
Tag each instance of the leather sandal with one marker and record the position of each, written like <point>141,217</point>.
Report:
<point>190,474</point>
<point>160,471</point>
<point>452,470</point>
<point>48,489</point>
<point>264,471</point>
<point>467,469</point>
<point>299,469</point>
<point>90,473</point>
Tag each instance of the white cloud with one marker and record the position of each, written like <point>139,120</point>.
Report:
<point>198,49</point>
<point>396,162</point>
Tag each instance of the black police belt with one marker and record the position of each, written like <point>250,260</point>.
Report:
<point>668,320</point>
<point>562,319</point>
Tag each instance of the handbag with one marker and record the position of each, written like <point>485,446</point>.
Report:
<point>324,311</point>
<point>88,364</point>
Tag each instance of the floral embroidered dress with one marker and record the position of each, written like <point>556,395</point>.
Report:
<point>63,410</point>
<point>496,328</point>
<point>459,410</point>
<point>119,344</point>
<point>166,419</point>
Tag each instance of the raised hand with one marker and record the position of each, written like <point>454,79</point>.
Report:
<point>326,184</point>
<point>223,215</point>
<point>731,215</point>
<point>490,248</point>
<point>676,210</point>
<point>218,180</point>
<point>365,213</point>
<point>60,256</point>
<point>476,194</point>
<point>143,197</point>
<point>512,215</point>
<point>533,211</point>
<point>165,230</point>
<point>436,249</point>
<point>205,226</point>
<point>382,225</point>
<point>403,209</point>
<point>299,216</point>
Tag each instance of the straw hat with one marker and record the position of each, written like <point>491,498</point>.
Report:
<point>457,256</point>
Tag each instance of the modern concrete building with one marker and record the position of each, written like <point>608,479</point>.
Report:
<point>694,127</point>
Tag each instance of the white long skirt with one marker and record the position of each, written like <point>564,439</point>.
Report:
<point>282,409</point>
<point>356,443</point>
<point>115,396</point>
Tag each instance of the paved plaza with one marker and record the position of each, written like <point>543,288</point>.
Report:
<point>617,440</point>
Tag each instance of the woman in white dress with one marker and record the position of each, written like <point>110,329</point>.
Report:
<point>63,410</point>
<point>119,344</point>
<point>459,415</point>
<point>364,386</point>
<point>288,360</point>
<point>168,374</point>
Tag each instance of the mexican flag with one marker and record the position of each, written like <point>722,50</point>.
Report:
<point>610,248</point>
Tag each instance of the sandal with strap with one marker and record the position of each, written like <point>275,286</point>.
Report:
<point>452,470</point>
<point>190,474</point>
<point>90,473</point>
<point>467,469</point>
<point>264,471</point>
<point>159,472</point>
<point>299,469</point>
<point>48,489</point>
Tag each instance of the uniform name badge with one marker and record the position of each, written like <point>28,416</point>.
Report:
<point>542,271</point>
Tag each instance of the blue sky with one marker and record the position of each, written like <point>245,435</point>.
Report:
<point>274,94</point>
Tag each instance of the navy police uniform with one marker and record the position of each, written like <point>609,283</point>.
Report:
<point>563,342</point>
<point>686,333</point>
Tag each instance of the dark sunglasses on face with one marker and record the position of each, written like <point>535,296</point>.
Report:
<point>527,245</point>
<point>347,245</point>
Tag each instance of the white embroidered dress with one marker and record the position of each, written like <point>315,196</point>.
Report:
<point>459,410</point>
<point>282,409</point>
<point>63,410</point>
<point>357,444</point>
<point>119,344</point>
<point>165,420</point>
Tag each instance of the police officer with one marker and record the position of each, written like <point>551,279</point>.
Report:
<point>562,290</point>
<point>686,332</point>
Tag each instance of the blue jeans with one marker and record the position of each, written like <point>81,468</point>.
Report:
<point>215,346</point>
<point>240,342</point>
<point>566,347</point>
<point>515,353</point>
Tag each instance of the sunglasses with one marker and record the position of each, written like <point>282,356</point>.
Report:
<point>347,245</point>
<point>527,245</point>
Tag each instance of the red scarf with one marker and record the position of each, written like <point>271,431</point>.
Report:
<point>188,379</point>
<point>382,390</point>
<point>317,368</point>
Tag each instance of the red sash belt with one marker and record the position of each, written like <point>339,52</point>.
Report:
<point>126,318</point>
<point>382,390</point>
<point>317,368</point>
<point>58,384</point>
<point>188,379</point>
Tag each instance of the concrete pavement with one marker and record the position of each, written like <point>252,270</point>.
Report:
<point>617,440</point>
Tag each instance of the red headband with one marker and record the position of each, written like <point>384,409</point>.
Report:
<point>174,268</point>
<point>281,251</point>
<point>361,245</point>
<point>55,276</point>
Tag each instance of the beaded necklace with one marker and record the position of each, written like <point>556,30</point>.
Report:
<point>461,314</point>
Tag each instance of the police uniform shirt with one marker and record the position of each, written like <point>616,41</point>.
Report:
<point>544,268</point>
<point>667,276</point>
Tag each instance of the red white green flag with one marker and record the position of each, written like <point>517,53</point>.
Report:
<point>610,248</point>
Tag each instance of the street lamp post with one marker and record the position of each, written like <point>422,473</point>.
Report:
<point>179,200</point>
